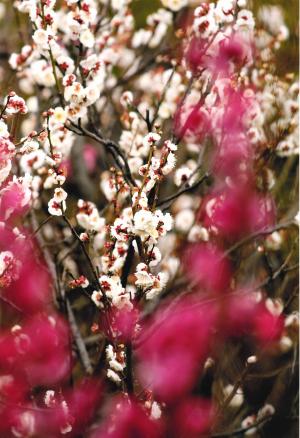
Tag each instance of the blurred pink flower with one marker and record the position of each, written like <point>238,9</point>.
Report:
<point>127,419</point>
<point>31,291</point>
<point>233,212</point>
<point>123,323</point>
<point>234,158</point>
<point>233,53</point>
<point>192,418</point>
<point>236,106</point>
<point>267,326</point>
<point>90,157</point>
<point>206,265</point>
<point>29,284</point>
<point>174,347</point>
<point>220,57</point>
<point>39,350</point>
<point>82,402</point>
<point>192,122</point>
<point>246,316</point>
<point>14,199</point>
<point>90,160</point>
<point>64,414</point>
<point>195,55</point>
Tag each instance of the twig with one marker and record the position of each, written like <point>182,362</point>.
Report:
<point>236,386</point>
<point>83,354</point>
<point>41,225</point>
<point>162,98</point>
<point>259,233</point>
<point>82,245</point>
<point>281,269</point>
<point>183,190</point>
<point>242,430</point>
<point>94,272</point>
<point>112,147</point>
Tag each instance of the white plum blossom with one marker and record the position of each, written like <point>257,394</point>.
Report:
<point>182,176</point>
<point>205,26</point>
<point>165,222</point>
<point>141,38</point>
<point>126,99</point>
<point>74,93</point>
<point>143,278</point>
<point>88,216</point>
<point>15,104</point>
<point>29,145</point>
<point>198,233</point>
<point>92,93</point>
<point>184,220</point>
<point>169,165</point>
<point>159,284</point>
<point>60,195</point>
<point>55,208</point>
<point>113,289</point>
<point>116,363</point>
<point>155,411</point>
<point>140,198</point>
<point>97,298</point>
<point>171,146</point>
<point>58,117</point>
<point>151,139</point>
<point>174,5</point>
<point>245,20</point>
<point>151,224</point>
<point>41,38</point>
<point>112,375</point>
<point>145,224</point>
<point>272,17</point>
<point>151,284</point>
<point>3,129</point>
<point>87,38</point>
<point>155,256</point>
<point>53,179</point>
<point>224,11</point>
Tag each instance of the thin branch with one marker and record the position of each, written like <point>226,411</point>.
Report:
<point>82,245</point>
<point>274,275</point>
<point>259,233</point>
<point>48,219</point>
<point>94,272</point>
<point>112,147</point>
<point>183,190</point>
<point>83,354</point>
<point>162,98</point>
<point>242,430</point>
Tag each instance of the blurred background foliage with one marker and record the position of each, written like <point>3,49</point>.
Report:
<point>288,55</point>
